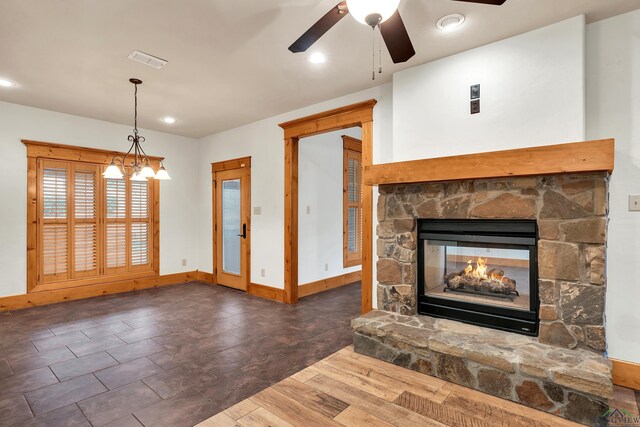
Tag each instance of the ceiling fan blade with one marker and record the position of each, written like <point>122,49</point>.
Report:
<point>493,2</point>
<point>397,39</point>
<point>318,29</point>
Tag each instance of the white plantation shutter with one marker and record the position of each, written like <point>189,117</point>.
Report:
<point>116,250</point>
<point>85,228</point>
<point>116,198</point>
<point>139,243</point>
<point>89,227</point>
<point>54,191</point>
<point>354,220</point>
<point>116,225</point>
<point>140,224</point>
<point>139,200</point>
<point>85,253</point>
<point>55,250</point>
<point>352,203</point>
<point>55,221</point>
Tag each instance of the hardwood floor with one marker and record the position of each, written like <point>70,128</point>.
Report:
<point>167,356</point>
<point>349,389</point>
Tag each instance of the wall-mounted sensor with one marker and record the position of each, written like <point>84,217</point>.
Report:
<point>475,92</point>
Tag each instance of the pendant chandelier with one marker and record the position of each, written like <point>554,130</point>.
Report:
<point>135,164</point>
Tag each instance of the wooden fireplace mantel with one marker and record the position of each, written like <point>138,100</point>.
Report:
<point>588,156</point>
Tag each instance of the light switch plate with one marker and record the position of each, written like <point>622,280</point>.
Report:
<point>257,210</point>
<point>308,210</point>
<point>634,203</point>
<point>475,92</point>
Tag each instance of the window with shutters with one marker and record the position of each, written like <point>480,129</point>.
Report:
<point>88,229</point>
<point>352,201</point>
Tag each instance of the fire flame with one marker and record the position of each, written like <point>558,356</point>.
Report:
<point>480,270</point>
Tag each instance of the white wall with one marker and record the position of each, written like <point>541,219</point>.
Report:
<point>263,140</point>
<point>178,221</point>
<point>613,110</point>
<point>320,187</point>
<point>532,93</point>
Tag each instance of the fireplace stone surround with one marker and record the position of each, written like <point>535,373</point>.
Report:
<point>563,370</point>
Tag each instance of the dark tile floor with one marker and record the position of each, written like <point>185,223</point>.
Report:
<point>168,356</point>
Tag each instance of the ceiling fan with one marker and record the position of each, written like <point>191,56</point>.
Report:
<point>375,13</point>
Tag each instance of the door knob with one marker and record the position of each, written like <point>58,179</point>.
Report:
<point>244,231</point>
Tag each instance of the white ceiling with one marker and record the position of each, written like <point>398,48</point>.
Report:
<point>228,60</point>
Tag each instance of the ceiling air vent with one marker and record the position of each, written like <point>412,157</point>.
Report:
<point>146,59</point>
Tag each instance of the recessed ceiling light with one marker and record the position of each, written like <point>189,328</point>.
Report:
<point>317,58</point>
<point>449,22</point>
<point>169,120</point>
<point>6,83</point>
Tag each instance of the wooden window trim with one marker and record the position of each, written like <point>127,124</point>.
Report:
<point>360,114</point>
<point>37,150</point>
<point>350,145</point>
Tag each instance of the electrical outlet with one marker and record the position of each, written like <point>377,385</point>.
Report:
<point>308,210</point>
<point>634,203</point>
<point>184,262</point>
<point>326,267</point>
<point>257,210</point>
<point>475,106</point>
<point>262,272</point>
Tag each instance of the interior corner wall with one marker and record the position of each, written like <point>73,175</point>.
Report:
<point>531,93</point>
<point>264,142</point>
<point>613,110</point>
<point>178,223</point>
<point>320,206</point>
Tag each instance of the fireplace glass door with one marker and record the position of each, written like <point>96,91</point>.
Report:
<point>479,271</point>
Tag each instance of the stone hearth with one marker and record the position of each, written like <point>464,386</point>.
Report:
<point>562,370</point>
<point>575,384</point>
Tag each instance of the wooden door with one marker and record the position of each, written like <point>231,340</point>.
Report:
<point>232,227</point>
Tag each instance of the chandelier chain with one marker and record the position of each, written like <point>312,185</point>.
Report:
<point>135,110</point>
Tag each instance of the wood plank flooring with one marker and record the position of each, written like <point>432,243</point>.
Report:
<point>349,389</point>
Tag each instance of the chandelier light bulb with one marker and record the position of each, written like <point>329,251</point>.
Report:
<point>137,176</point>
<point>147,172</point>
<point>113,172</point>
<point>361,9</point>
<point>162,174</point>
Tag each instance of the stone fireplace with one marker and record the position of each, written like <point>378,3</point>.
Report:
<point>570,212</point>
<point>541,257</point>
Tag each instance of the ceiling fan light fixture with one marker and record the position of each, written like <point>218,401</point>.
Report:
<point>450,22</point>
<point>317,58</point>
<point>363,9</point>
<point>6,83</point>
